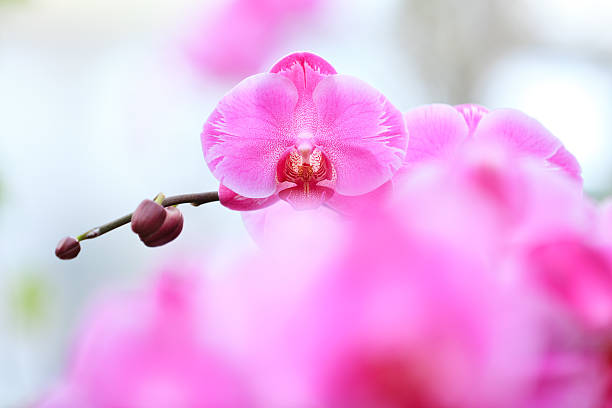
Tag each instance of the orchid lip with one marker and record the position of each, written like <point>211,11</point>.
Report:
<point>305,166</point>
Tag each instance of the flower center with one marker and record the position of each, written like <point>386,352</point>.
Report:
<point>305,165</point>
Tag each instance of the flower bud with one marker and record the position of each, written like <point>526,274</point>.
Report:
<point>67,248</point>
<point>148,217</point>
<point>170,229</point>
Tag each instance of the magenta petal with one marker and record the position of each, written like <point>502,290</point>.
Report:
<point>248,132</point>
<point>282,221</point>
<point>304,69</point>
<point>519,131</point>
<point>362,134</point>
<point>435,130</point>
<point>354,205</point>
<point>579,276</point>
<point>235,201</point>
<point>301,199</point>
<point>566,162</point>
<point>472,114</point>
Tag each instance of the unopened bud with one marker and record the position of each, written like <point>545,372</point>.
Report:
<point>148,217</point>
<point>170,229</point>
<point>67,248</point>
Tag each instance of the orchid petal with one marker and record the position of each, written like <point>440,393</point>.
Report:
<point>579,276</point>
<point>301,199</point>
<point>472,114</point>
<point>435,130</point>
<point>352,205</point>
<point>235,201</point>
<point>361,133</point>
<point>519,131</point>
<point>282,221</point>
<point>566,162</point>
<point>304,69</point>
<point>248,132</point>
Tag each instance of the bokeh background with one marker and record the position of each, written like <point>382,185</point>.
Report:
<point>102,103</point>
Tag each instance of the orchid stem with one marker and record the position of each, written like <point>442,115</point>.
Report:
<point>194,199</point>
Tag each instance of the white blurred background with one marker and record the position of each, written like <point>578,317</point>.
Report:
<point>101,107</point>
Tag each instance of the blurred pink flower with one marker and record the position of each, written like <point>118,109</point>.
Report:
<point>492,197</point>
<point>302,133</point>
<point>528,226</point>
<point>573,276</point>
<point>147,350</point>
<point>569,264</point>
<point>406,323</point>
<point>577,274</point>
<point>257,28</point>
<point>423,302</point>
<point>389,317</point>
<point>437,130</point>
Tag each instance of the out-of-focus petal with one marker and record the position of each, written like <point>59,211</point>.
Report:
<point>578,276</point>
<point>235,201</point>
<point>301,199</point>
<point>435,131</point>
<point>281,222</point>
<point>566,162</point>
<point>519,131</point>
<point>363,135</point>
<point>472,114</point>
<point>354,205</point>
<point>147,349</point>
<point>248,132</point>
<point>304,69</point>
<point>241,51</point>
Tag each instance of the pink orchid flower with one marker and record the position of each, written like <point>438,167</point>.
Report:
<point>302,133</point>
<point>528,225</point>
<point>147,349</point>
<point>437,130</point>
<point>392,319</point>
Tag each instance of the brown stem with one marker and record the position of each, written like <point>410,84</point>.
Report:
<point>195,199</point>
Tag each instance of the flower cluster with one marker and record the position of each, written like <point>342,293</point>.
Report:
<point>310,136</point>
<point>462,268</point>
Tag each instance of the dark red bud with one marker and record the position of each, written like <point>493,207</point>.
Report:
<point>67,248</point>
<point>148,217</point>
<point>170,229</point>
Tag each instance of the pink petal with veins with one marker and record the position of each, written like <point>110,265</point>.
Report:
<point>362,134</point>
<point>304,69</point>
<point>435,131</point>
<point>472,114</point>
<point>247,133</point>
<point>519,131</point>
